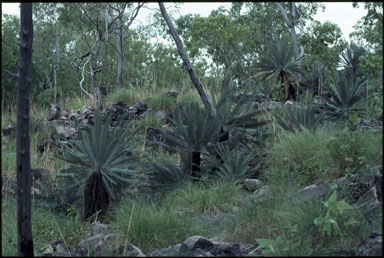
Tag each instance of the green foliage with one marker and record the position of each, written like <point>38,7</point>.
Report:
<point>296,117</point>
<point>352,151</point>
<point>165,175</point>
<point>148,225</point>
<point>332,218</point>
<point>305,155</point>
<point>46,227</point>
<point>216,197</point>
<point>233,165</point>
<point>122,94</point>
<point>99,153</point>
<point>162,101</point>
<point>345,95</point>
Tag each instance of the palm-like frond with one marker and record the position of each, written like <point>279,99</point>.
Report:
<point>165,175</point>
<point>296,117</point>
<point>345,94</point>
<point>350,59</point>
<point>194,127</point>
<point>233,164</point>
<point>279,60</point>
<point>102,151</point>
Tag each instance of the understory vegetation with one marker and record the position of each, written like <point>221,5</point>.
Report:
<point>265,124</point>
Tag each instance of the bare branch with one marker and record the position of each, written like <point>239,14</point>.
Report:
<point>13,74</point>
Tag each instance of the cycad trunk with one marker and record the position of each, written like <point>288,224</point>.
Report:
<point>195,165</point>
<point>24,224</point>
<point>96,198</point>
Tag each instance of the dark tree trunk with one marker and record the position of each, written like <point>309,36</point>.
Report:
<point>96,197</point>
<point>192,74</point>
<point>24,225</point>
<point>195,165</point>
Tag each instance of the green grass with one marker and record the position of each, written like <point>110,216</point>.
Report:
<point>189,96</point>
<point>46,227</point>
<point>213,197</point>
<point>149,225</point>
<point>162,101</point>
<point>122,94</point>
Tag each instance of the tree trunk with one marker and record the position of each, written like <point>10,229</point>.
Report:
<point>55,67</point>
<point>106,45</point>
<point>95,197</point>
<point>24,225</point>
<point>120,53</point>
<point>192,74</point>
<point>195,165</point>
<point>286,87</point>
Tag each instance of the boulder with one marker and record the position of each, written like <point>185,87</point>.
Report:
<point>138,108</point>
<point>54,112</point>
<point>252,184</point>
<point>171,251</point>
<point>262,194</point>
<point>372,245</point>
<point>195,242</point>
<point>64,132</point>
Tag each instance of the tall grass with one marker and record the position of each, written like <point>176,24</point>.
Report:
<point>149,225</point>
<point>46,227</point>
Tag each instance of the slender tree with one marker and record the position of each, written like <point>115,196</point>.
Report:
<point>192,74</point>
<point>24,226</point>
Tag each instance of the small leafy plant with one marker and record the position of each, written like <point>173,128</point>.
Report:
<point>333,215</point>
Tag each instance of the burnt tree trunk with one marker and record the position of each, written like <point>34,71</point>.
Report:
<point>95,197</point>
<point>24,225</point>
<point>195,165</point>
<point>192,74</point>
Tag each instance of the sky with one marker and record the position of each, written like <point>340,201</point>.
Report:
<point>341,13</point>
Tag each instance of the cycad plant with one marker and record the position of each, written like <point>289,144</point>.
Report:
<point>195,129</point>
<point>351,62</point>
<point>101,164</point>
<point>279,63</point>
<point>345,94</point>
<point>233,164</point>
<point>297,117</point>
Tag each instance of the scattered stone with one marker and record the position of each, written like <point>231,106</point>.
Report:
<point>262,194</point>
<point>373,245</point>
<point>195,242</point>
<point>54,112</point>
<point>252,184</point>
<point>98,228</point>
<point>171,251</point>
<point>10,130</point>
<point>65,132</point>
<point>138,108</point>
<point>128,250</point>
<point>172,94</point>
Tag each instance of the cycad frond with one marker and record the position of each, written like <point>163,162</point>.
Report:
<point>101,160</point>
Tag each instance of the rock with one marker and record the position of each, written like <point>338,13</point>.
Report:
<point>54,112</point>
<point>195,242</point>
<point>74,115</point>
<point>98,228</point>
<point>252,184</point>
<point>9,131</point>
<point>93,242</point>
<point>86,111</point>
<point>172,94</point>
<point>262,194</point>
<point>138,108</point>
<point>378,183</point>
<point>44,145</point>
<point>163,116</point>
<point>65,132</point>
<point>313,191</point>
<point>128,250</point>
<point>171,251</point>
<point>373,245</point>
